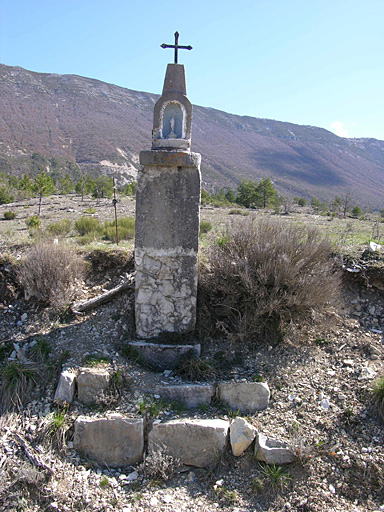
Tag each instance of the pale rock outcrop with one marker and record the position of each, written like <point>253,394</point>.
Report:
<point>192,395</point>
<point>66,387</point>
<point>247,397</point>
<point>241,435</point>
<point>195,442</point>
<point>114,440</point>
<point>91,384</point>
<point>272,451</point>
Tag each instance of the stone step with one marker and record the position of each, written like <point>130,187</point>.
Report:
<point>164,356</point>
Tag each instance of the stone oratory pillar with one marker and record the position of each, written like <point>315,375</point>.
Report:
<point>167,217</point>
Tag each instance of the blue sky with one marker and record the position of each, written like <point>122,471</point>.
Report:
<point>312,62</point>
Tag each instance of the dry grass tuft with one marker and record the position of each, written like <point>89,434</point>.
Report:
<point>49,272</point>
<point>262,275</point>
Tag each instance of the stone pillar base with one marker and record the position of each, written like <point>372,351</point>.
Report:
<point>166,246</point>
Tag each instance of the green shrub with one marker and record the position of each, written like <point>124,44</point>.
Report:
<point>33,222</point>
<point>205,226</point>
<point>126,228</point>
<point>61,227</point>
<point>49,273</point>
<point>263,275</point>
<point>90,210</point>
<point>238,211</point>
<point>9,215</point>
<point>89,225</point>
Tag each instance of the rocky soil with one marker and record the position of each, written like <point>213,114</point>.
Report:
<point>321,379</point>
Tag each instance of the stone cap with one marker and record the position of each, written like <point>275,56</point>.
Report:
<point>170,158</point>
<point>174,80</point>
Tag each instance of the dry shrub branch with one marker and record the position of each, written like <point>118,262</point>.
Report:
<point>49,273</point>
<point>264,274</point>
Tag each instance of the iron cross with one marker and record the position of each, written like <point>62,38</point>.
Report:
<point>176,46</point>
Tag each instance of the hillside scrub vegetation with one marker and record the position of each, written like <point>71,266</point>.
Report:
<point>261,275</point>
<point>49,273</point>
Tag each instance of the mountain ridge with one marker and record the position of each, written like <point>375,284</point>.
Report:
<point>103,127</point>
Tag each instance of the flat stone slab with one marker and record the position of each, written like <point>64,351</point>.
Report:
<point>272,451</point>
<point>91,384</point>
<point>66,387</point>
<point>114,440</point>
<point>164,357</point>
<point>241,435</point>
<point>195,442</point>
<point>192,395</point>
<point>247,397</point>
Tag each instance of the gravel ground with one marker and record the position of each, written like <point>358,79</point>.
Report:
<point>321,379</point>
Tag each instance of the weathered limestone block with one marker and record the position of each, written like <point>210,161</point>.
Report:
<point>192,395</point>
<point>194,442</point>
<point>272,451</point>
<point>66,387</point>
<point>91,384</point>
<point>241,435</point>
<point>246,397</point>
<point>114,440</point>
<point>166,244</point>
<point>164,357</point>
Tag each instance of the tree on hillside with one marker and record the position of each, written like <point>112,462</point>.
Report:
<point>246,193</point>
<point>266,195</point>
<point>357,212</point>
<point>42,186</point>
<point>66,185</point>
<point>103,187</point>
<point>130,189</point>
<point>230,196</point>
<point>302,201</point>
<point>346,202</point>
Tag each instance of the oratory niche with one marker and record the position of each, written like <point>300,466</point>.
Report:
<point>173,121</point>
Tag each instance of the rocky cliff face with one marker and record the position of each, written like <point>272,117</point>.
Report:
<point>103,127</point>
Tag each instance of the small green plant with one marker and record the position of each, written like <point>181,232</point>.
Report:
<point>17,380</point>
<point>322,342</point>
<point>378,396</point>
<point>258,378</point>
<point>126,229</point>
<point>93,360</point>
<point>60,228</point>
<point>132,354</point>
<point>33,222</point>
<point>276,475</point>
<point>257,485</point>
<point>9,215</point>
<point>233,414</point>
<point>149,405</point>
<point>40,350</point>
<point>104,482</point>
<point>91,210</point>
<point>205,226</point>
<point>237,211</point>
<point>229,496</point>
<point>193,368</point>
<point>89,226</point>
<point>57,424</point>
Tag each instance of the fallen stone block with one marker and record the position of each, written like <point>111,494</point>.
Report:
<point>247,397</point>
<point>91,384</point>
<point>164,357</point>
<point>192,395</point>
<point>272,451</point>
<point>194,442</point>
<point>66,387</point>
<point>114,440</point>
<point>241,435</point>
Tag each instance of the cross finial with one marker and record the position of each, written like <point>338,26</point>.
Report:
<point>176,46</point>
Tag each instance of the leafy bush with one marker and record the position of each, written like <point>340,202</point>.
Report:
<point>126,228</point>
<point>33,222</point>
<point>9,215</point>
<point>264,274</point>
<point>49,272</point>
<point>238,211</point>
<point>205,226</point>
<point>88,225</point>
<point>61,227</point>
